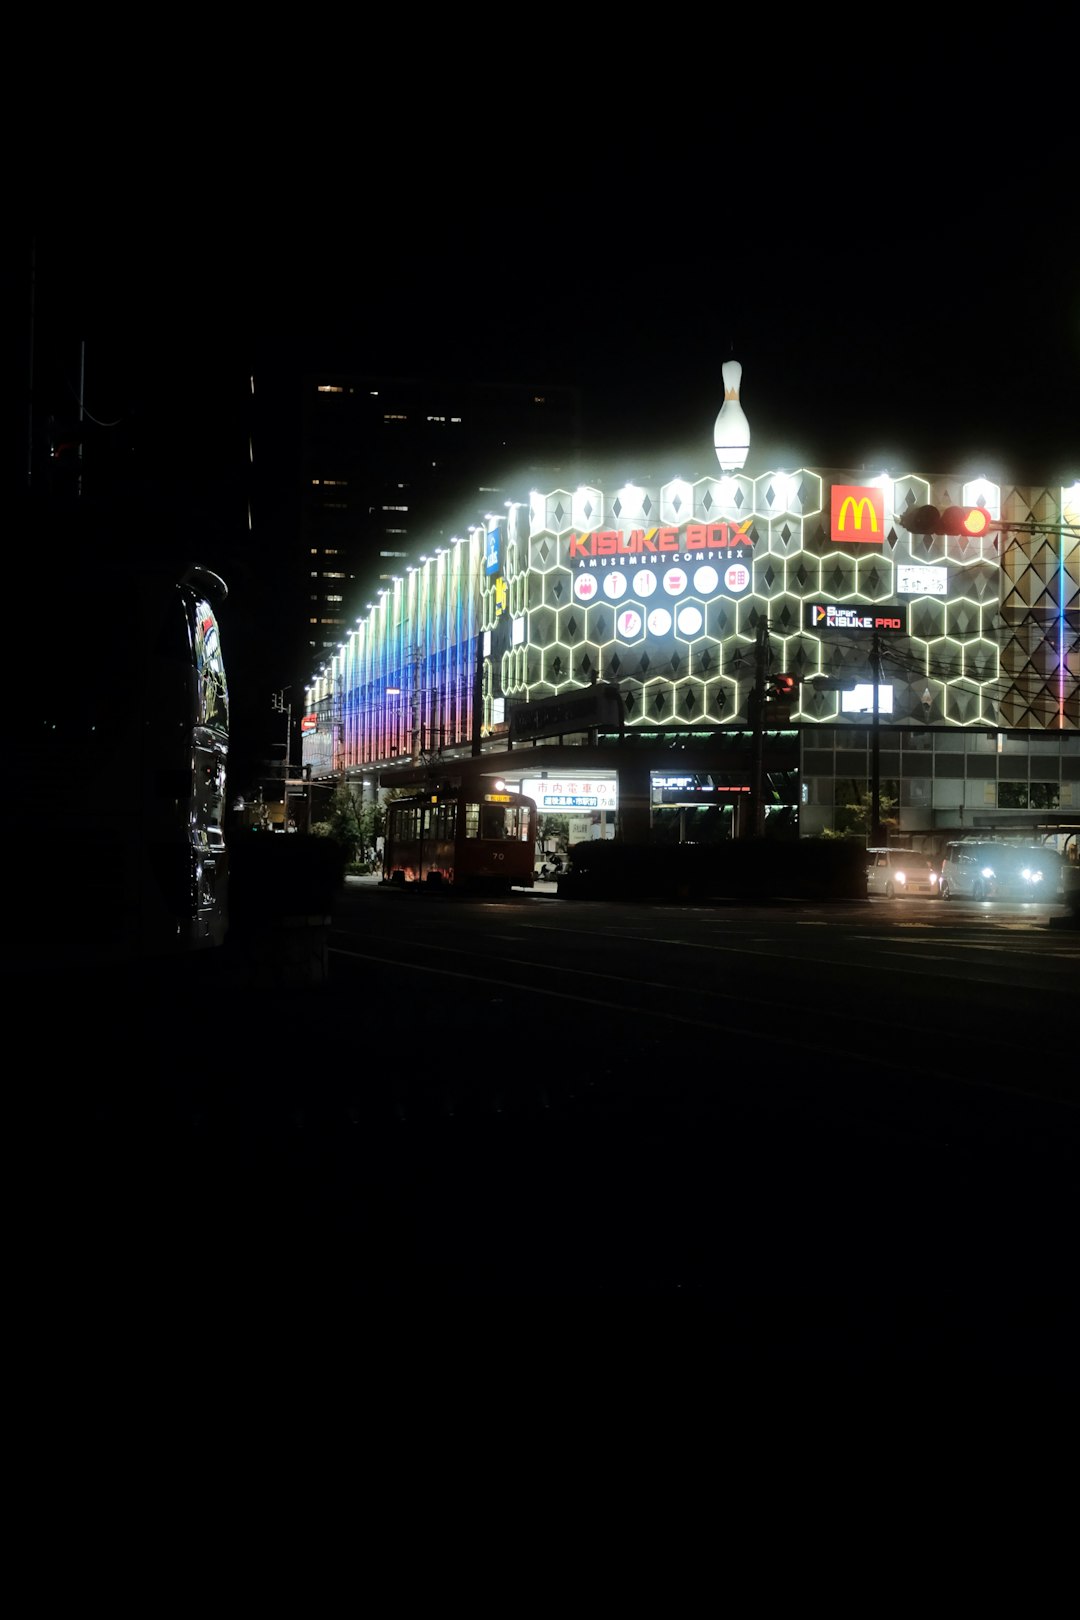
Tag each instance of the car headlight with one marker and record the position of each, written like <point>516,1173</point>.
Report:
<point>988,871</point>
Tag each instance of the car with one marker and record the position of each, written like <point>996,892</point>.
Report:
<point>893,872</point>
<point>991,869</point>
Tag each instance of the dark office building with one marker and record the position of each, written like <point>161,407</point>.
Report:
<point>391,468</point>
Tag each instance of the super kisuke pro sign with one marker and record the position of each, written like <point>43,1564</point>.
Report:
<point>858,514</point>
<point>837,616</point>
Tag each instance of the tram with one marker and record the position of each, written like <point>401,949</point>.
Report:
<point>462,839</point>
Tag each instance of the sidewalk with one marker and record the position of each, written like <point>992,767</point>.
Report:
<point>373,880</point>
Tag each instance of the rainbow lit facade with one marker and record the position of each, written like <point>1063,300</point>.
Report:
<point>660,591</point>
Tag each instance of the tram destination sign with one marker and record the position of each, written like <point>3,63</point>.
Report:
<point>890,621</point>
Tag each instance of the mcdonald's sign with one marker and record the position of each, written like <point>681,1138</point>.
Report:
<point>858,514</point>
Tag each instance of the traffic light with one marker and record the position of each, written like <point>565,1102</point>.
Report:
<point>972,521</point>
<point>65,437</point>
<point>780,689</point>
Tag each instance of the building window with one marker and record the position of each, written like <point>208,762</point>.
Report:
<point>916,790</point>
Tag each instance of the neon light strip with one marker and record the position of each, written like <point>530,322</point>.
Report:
<point>1061,630</point>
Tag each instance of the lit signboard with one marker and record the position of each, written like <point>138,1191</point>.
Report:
<point>694,539</point>
<point>860,700</point>
<point>309,724</point>
<point>858,514</point>
<point>660,580</point>
<point>824,616</point>
<point>707,795</point>
<point>491,550</point>
<point>915,581</point>
<point>564,793</point>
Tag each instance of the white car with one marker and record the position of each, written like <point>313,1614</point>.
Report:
<point>893,872</point>
<point>990,869</point>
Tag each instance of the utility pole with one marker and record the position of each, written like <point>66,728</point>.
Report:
<point>762,653</point>
<point>877,835</point>
<point>416,730</point>
<point>82,415</point>
<point>478,697</point>
<point>280,706</point>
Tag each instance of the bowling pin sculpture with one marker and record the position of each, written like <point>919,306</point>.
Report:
<point>731,435</point>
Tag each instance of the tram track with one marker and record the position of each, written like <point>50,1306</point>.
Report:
<point>727,1015</point>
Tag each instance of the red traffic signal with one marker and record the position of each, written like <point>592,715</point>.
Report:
<point>780,689</point>
<point>971,521</point>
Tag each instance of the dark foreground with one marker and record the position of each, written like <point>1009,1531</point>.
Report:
<point>326,1156</point>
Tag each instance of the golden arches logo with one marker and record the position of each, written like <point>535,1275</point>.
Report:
<point>858,507</point>
<point>858,513</point>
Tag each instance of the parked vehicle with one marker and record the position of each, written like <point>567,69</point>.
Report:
<point>893,872</point>
<point>991,869</point>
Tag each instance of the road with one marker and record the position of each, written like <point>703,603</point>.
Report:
<point>842,1132</point>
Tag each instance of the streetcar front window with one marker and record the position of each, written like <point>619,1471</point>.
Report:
<point>493,822</point>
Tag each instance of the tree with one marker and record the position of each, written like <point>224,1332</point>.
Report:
<point>853,819</point>
<point>343,823</point>
<point>553,830</point>
<point>372,824</point>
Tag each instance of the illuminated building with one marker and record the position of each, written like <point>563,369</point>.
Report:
<point>553,602</point>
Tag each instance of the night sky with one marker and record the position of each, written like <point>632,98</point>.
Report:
<point>886,236</point>
<point>929,350</point>
<point>893,306</point>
